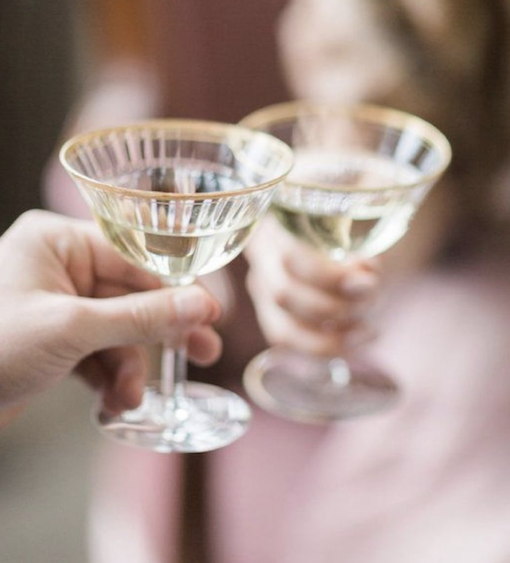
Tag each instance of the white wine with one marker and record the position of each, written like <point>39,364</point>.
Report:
<point>342,235</point>
<point>176,258</point>
<point>181,239</point>
<point>353,216</point>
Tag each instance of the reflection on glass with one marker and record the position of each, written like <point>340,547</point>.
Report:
<point>178,198</point>
<point>359,176</point>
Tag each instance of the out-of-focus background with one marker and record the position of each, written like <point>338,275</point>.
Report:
<point>38,81</point>
<point>218,59</point>
<point>44,455</point>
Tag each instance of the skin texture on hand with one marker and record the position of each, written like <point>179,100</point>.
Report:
<point>304,300</point>
<point>70,303</point>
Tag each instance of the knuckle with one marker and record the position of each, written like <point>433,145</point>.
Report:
<point>143,319</point>
<point>281,297</point>
<point>32,215</point>
<point>73,324</point>
<point>24,224</point>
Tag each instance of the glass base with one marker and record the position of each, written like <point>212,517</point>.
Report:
<point>306,389</point>
<point>204,418</point>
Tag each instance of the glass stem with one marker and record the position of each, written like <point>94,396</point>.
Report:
<point>174,361</point>
<point>173,372</point>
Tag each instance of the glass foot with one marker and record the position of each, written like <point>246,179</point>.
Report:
<point>304,389</point>
<point>204,418</point>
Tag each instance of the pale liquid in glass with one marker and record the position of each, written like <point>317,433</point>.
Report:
<point>177,248</point>
<point>341,223</point>
<point>176,257</point>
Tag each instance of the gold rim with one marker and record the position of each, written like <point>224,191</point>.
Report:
<point>188,130</point>
<point>264,118</point>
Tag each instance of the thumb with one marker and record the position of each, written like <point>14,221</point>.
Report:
<point>148,317</point>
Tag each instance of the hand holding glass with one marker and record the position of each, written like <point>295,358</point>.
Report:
<point>178,198</point>
<point>360,173</point>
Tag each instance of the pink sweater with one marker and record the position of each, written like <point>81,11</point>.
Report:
<point>427,482</point>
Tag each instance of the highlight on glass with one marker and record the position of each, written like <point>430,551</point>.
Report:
<point>360,174</point>
<point>178,198</point>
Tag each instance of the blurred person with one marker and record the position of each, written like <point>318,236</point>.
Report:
<point>71,304</point>
<point>427,481</point>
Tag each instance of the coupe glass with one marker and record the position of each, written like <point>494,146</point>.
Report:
<point>360,173</point>
<point>178,198</point>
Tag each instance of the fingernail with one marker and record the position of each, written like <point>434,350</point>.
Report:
<point>358,284</point>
